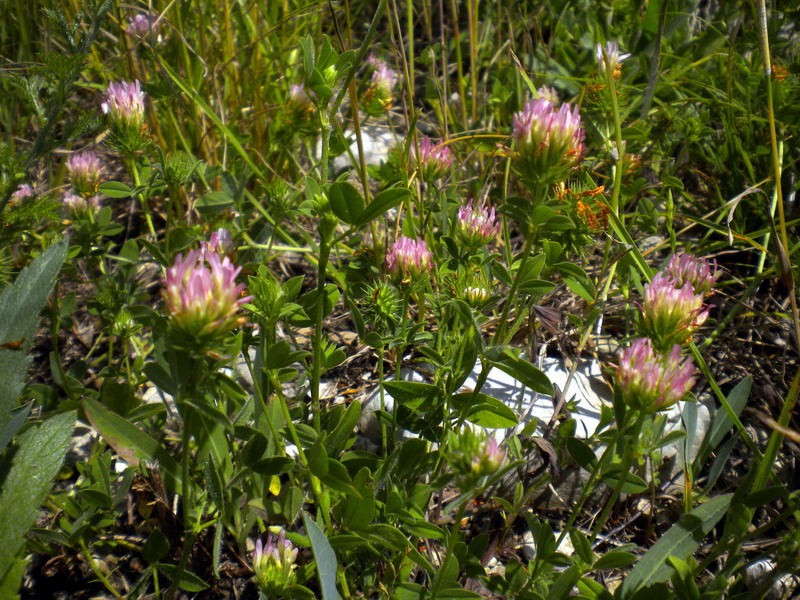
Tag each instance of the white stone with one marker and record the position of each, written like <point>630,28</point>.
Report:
<point>529,545</point>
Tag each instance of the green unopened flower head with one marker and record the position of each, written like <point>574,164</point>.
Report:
<point>273,563</point>
<point>473,455</point>
<point>476,297</point>
<point>477,225</point>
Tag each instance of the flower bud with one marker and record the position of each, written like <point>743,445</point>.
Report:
<point>476,226</point>
<point>143,25</point>
<point>651,382</point>
<point>434,160</point>
<point>409,262</point>
<point>548,142</point>
<point>220,242</point>
<point>273,563</point>
<point>476,297</point>
<point>81,207</point>
<point>609,59</point>
<point>84,171</point>
<point>298,115</point>
<point>472,455</point>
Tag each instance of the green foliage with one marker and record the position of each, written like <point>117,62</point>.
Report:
<point>241,436</point>
<point>31,464</point>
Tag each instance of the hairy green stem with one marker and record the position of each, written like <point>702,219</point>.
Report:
<point>629,440</point>
<point>316,363</point>
<point>133,169</point>
<point>618,167</point>
<point>499,336</point>
<point>455,530</point>
<point>321,499</point>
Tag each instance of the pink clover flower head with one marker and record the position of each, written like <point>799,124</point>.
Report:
<point>488,459</point>
<point>434,159</point>
<point>299,113</point>
<point>142,25</point>
<point>202,296</point>
<point>610,60</point>
<point>81,206</point>
<point>384,78</point>
<point>84,170</point>
<point>548,94</point>
<point>298,95</point>
<point>685,268</point>
<point>671,314</point>
<point>409,261</point>
<point>219,242</point>
<point>378,95</point>
<point>477,225</point>
<point>650,381</point>
<point>124,104</point>
<point>548,141</point>
<point>273,564</point>
<point>25,190</point>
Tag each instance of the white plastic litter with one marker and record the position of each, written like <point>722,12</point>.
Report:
<point>377,142</point>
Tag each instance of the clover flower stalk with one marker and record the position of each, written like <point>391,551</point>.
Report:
<point>434,159</point>
<point>649,381</point>
<point>409,262</point>
<point>685,268</point>
<point>548,141</point>
<point>84,171</point>
<point>670,314</point>
<point>202,296</point>
<point>609,58</point>
<point>273,564</point>
<point>477,225</point>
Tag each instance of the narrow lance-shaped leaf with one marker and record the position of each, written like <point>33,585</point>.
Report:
<point>37,460</point>
<point>325,558</point>
<point>20,305</point>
